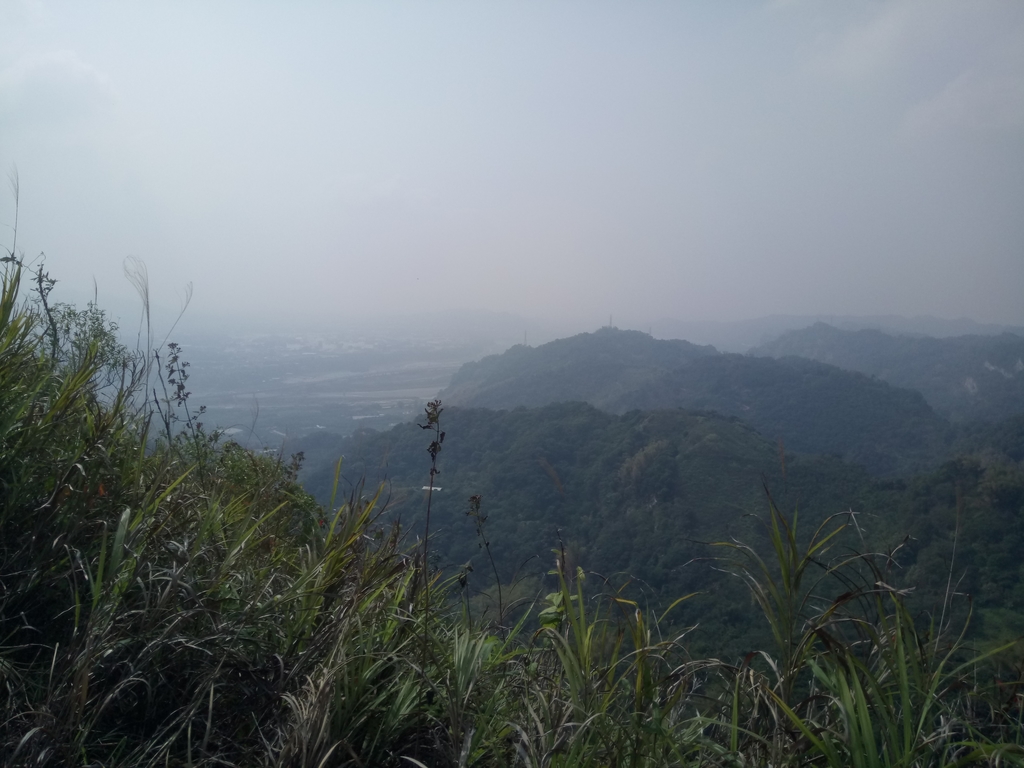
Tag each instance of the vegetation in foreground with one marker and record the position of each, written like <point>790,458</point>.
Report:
<point>169,600</point>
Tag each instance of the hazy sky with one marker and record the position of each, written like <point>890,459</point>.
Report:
<point>693,160</point>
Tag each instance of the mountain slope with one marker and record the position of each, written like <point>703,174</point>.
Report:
<point>963,377</point>
<point>635,494</point>
<point>591,367</point>
<point>641,494</point>
<point>812,407</point>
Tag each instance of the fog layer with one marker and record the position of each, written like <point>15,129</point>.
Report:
<point>566,161</point>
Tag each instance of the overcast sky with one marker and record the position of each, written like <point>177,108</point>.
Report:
<point>554,159</point>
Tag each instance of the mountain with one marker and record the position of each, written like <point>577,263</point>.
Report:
<point>638,494</point>
<point>742,335</point>
<point>593,367</point>
<point>1002,441</point>
<point>812,407</point>
<point>963,377</point>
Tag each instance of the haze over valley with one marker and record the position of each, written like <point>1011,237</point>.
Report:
<point>268,387</point>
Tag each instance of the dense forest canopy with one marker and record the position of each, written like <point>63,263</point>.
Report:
<point>641,495</point>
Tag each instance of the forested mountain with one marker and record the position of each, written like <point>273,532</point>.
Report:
<point>643,493</point>
<point>1003,439</point>
<point>811,406</point>
<point>596,368</point>
<point>964,529</point>
<point>963,377</point>
<point>643,451</point>
<point>743,335</point>
<point>638,494</point>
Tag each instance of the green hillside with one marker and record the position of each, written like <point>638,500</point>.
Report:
<point>591,367</point>
<point>640,495</point>
<point>812,407</point>
<point>635,495</point>
<point>1002,439</point>
<point>963,378</point>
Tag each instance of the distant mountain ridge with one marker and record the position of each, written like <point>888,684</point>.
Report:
<point>744,335</point>
<point>964,377</point>
<point>812,407</point>
<point>597,368</point>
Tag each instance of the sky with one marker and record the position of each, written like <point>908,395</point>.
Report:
<point>561,160</point>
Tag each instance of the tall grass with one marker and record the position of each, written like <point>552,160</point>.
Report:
<point>170,604</point>
<point>181,601</point>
